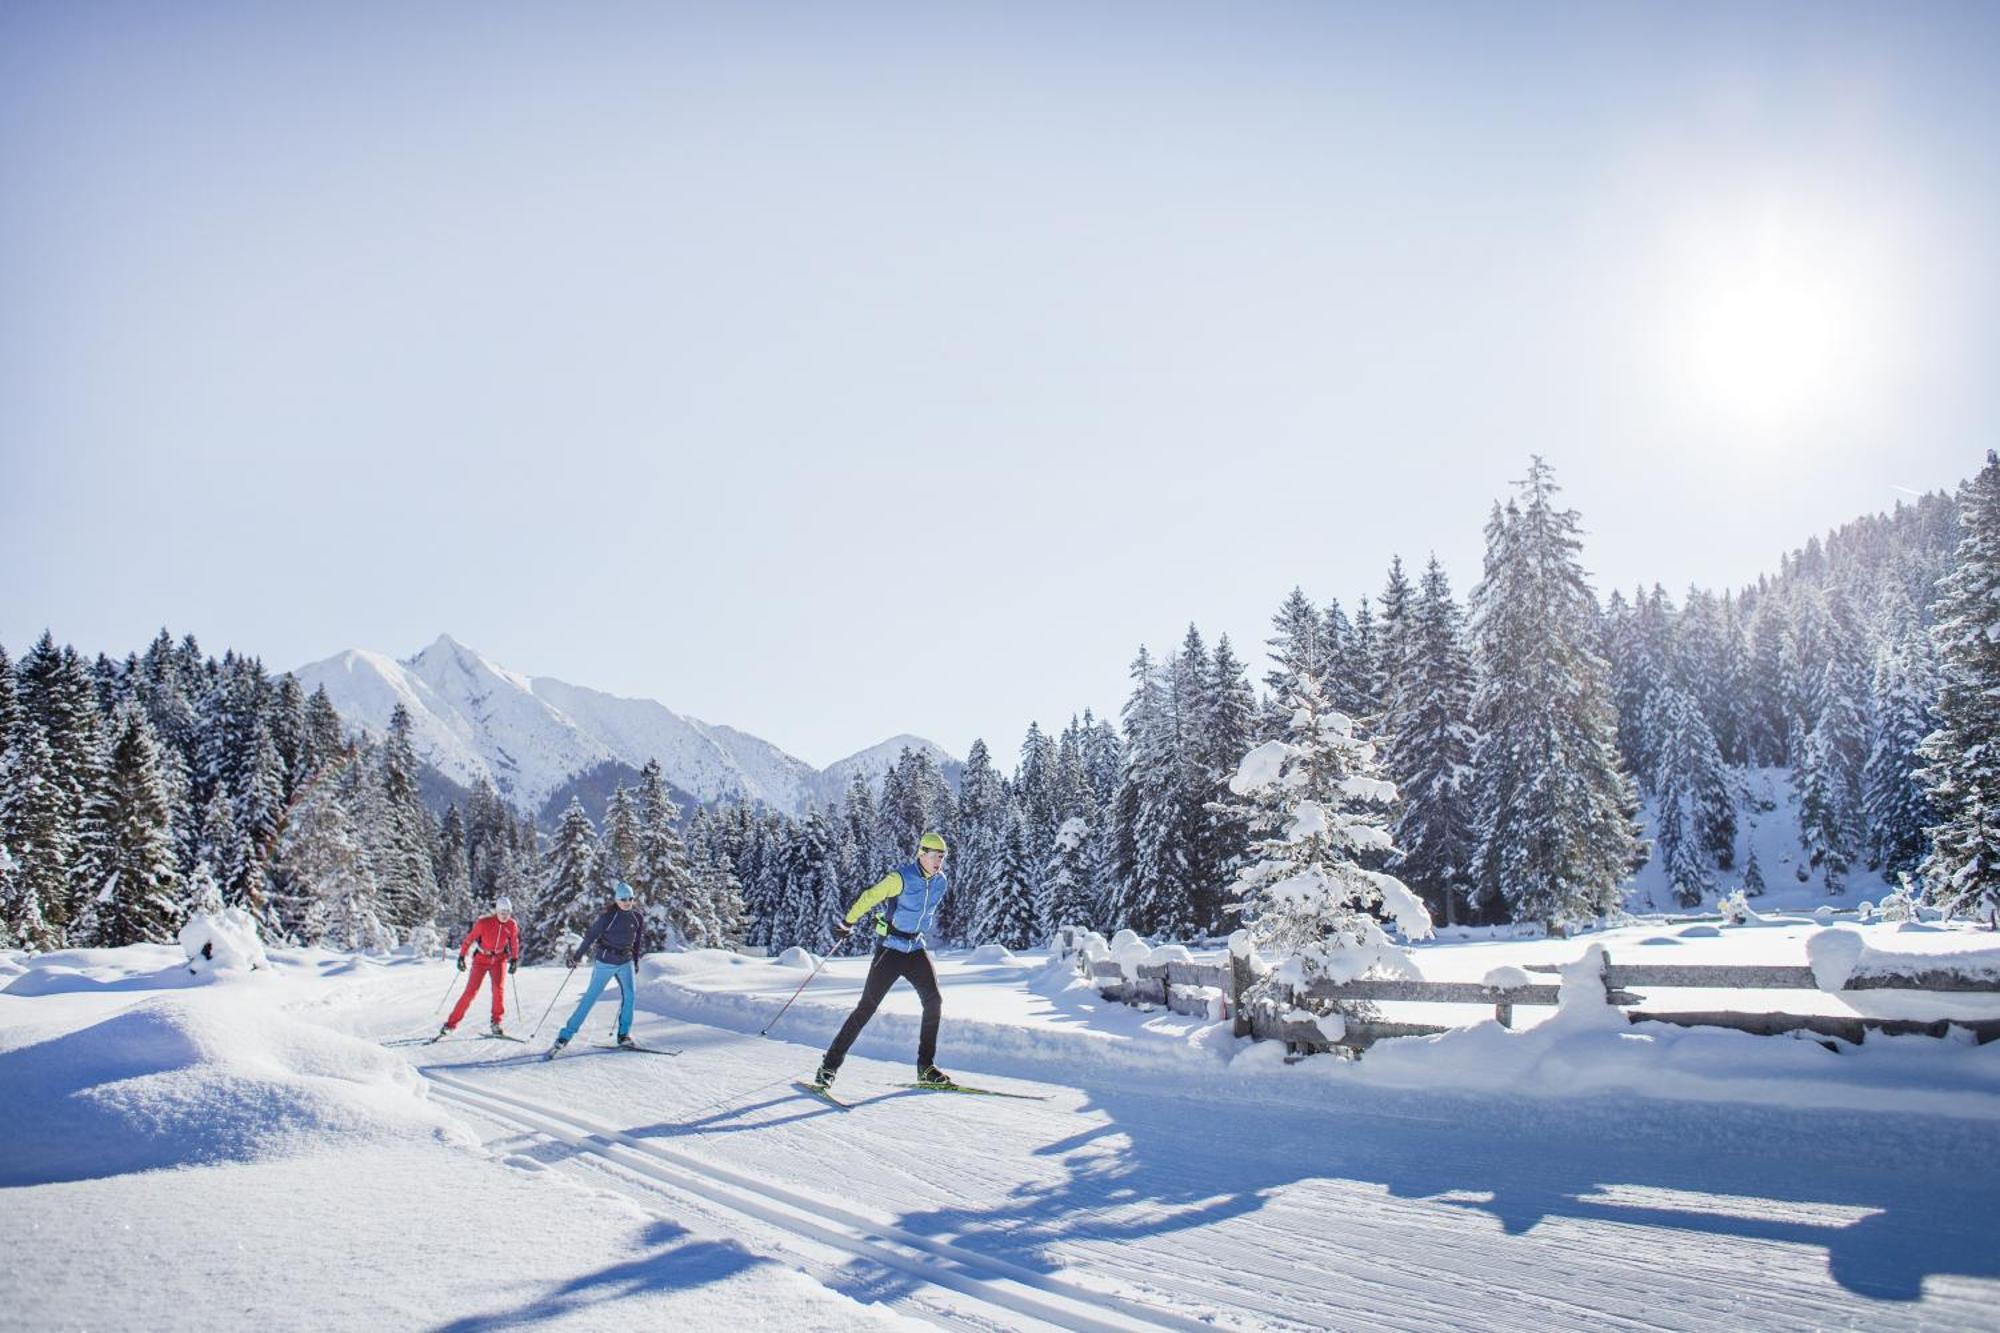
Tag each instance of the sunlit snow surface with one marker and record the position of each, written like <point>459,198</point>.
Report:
<point>185,1152</point>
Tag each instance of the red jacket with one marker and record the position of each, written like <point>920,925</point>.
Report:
<point>492,935</point>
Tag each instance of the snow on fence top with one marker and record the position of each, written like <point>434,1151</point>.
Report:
<point>1840,961</point>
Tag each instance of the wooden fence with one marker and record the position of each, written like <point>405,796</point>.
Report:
<point>1191,988</point>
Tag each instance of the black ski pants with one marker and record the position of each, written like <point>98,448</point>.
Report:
<point>890,964</point>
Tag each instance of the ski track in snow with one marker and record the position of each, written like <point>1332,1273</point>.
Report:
<point>1136,1197</point>
<point>1154,1205</point>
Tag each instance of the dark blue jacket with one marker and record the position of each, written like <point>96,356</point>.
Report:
<point>619,934</point>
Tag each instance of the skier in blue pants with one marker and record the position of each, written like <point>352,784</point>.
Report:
<point>619,937</point>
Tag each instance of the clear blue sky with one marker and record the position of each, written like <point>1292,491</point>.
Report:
<point>833,371</point>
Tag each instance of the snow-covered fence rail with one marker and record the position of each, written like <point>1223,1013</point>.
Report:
<point>1219,989</point>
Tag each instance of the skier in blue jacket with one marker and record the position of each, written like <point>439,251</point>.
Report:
<point>619,937</point>
<point>908,896</point>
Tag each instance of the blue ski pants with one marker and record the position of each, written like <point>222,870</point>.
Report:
<point>600,974</point>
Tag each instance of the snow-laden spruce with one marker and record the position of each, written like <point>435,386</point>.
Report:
<point>1962,872</point>
<point>1316,805</point>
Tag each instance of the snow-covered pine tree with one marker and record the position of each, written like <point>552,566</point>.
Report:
<point>812,900</point>
<point>1391,636</point>
<point>259,805</point>
<point>620,841</point>
<point>573,888</point>
<point>1896,810</point>
<point>1229,728</point>
<point>1765,720</point>
<point>324,742</point>
<point>915,799</point>
<point>1753,875</point>
<point>1353,692</point>
<point>1699,658</point>
<point>1153,867</point>
<point>1191,704</point>
<point>1695,829</point>
<point>1640,661</point>
<point>1315,802</point>
<point>1297,644</point>
<point>404,858</point>
<point>36,827</point>
<point>716,885</point>
<point>1829,774</point>
<point>1556,831</point>
<point>658,868</point>
<point>138,899</point>
<point>456,908</point>
<point>331,895</point>
<point>1962,770</point>
<point>57,696</point>
<point>864,829</point>
<point>10,701</point>
<point>1429,756</point>
<point>1067,893</point>
<point>1035,788</point>
<point>1012,912</point>
<point>286,720</point>
<point>222,847</point>
<point>982,832</point>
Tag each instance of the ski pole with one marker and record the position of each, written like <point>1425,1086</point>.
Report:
<point>450,985</point>
<point>513,1006</point>
<point>552,1000</point>
<point>795,995</point>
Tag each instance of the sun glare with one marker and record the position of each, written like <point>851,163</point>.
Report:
<point>1777,326</point>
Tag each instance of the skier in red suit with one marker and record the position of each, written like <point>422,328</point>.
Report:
<point>493,941</point>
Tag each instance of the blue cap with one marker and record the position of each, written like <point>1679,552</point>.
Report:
<point>620,890</point>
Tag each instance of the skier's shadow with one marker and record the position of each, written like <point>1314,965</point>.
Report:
<point>1891,1198</point>
<point>736,1119</point>
<point>675,1261</point>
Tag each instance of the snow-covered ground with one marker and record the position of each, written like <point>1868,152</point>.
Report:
<point>184,1152</point>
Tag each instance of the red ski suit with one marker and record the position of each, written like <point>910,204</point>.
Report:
<point>494,944</point>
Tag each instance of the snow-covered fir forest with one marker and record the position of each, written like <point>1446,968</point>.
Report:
<point>1524,723</point>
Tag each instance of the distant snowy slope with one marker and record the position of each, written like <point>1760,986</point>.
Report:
<point>531,737</point>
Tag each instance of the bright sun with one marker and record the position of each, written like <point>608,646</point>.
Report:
<point>1778,323</point>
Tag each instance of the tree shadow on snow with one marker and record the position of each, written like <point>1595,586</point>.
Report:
<point>676,1262</point>
<point>1891,1199</point>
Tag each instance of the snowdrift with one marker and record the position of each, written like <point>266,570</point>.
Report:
<point>204,1076</point>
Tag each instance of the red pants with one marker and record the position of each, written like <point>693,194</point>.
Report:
<point>483,965</point>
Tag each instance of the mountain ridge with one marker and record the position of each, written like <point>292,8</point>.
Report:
<point>533,736</point>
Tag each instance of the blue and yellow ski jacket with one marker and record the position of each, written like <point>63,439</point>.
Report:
<point>909,904</point>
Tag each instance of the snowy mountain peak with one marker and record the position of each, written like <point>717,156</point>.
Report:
<point>530,737</point>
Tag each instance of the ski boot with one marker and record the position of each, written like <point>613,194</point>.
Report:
<point>495,1030</point>
<point>930,1076</point>
<point>824,1078</point>
<point>625,1040</point>
<point>444,1031</point>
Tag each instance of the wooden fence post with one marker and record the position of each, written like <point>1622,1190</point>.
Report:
<point>1241,979</point>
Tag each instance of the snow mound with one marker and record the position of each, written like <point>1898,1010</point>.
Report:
<point>1700,932</point>
<point>208,1076</point>
<point>796,957</point>
<point>222,943</point>
<point>149,967</point>
<point>686,962</point>
<point>1170,953</point>
<point>1509,978</point>
<point>1130,952</point>
<point>1841,955</point>
<point>990,953</point>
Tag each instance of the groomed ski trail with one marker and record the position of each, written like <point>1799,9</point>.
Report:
<point>995,1282</point>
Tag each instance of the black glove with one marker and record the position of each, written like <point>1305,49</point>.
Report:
<point>574,958</point>
<point>842,928</point>
<point>461,962</point>
<point>512,963</point>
